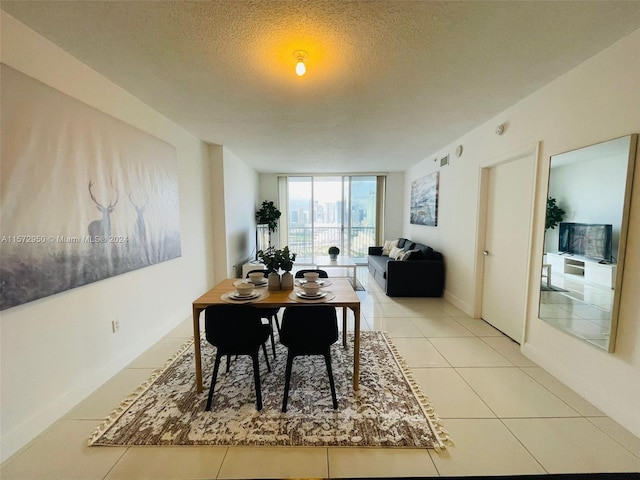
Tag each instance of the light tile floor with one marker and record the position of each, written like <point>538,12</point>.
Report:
<point>505,414</point>
<point>583,310</point>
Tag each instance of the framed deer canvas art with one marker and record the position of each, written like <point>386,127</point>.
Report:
<point>84,196</point>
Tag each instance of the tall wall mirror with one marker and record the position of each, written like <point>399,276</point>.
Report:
<point>588,202</point>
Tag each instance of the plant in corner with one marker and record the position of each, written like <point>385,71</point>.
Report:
<point>555,215</point>
<point>334,252</point>
<point>268,215</point>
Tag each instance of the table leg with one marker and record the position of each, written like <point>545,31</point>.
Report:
<point>344,327</point>
<point>196,346</point>
<point>356,348</point>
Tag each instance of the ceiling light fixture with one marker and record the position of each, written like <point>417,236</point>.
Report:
<point>301,68</point>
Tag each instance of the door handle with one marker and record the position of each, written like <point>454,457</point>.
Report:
<point>485,253</point>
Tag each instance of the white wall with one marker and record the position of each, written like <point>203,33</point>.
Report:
<point>597,101</point>
<point>217,203</point>
<point>57,350</point>
<point>241,204</point>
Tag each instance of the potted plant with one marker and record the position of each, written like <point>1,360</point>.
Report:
<point>334,252</point>
<point>271,259</point>
<point>268,215</point>
<point>286,263</point>
<point>555,215</point>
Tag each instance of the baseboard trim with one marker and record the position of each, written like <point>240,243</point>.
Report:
<point>607,403</point>
<point>464,306</point>
<point>22,435</point>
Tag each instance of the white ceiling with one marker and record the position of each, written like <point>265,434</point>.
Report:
<point>388,82</point>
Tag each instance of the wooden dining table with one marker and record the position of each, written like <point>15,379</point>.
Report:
<point>341,292</point>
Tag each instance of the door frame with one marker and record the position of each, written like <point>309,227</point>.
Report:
<point>481,222</point>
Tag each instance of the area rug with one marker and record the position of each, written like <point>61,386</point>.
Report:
<point>388,410</point>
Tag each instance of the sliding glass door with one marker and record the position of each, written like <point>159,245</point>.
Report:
<point>325,211</point>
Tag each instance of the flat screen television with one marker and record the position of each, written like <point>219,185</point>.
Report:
<point>586,239</point>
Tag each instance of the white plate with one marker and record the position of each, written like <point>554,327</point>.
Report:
<point>262,282</point>
<point>302,294</point>
<point>247,296</point>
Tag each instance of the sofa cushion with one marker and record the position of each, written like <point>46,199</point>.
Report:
<point>427,252</point>
<point>396,253</point>
<point>378,262</point>
<point>388,245</point>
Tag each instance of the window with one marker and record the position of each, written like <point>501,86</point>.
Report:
<point>323,211</point>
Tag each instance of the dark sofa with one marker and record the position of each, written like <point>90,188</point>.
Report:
<point>420,272</point>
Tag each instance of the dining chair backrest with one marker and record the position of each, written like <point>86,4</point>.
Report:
<point>309,329</point>
<point>264,271</point>
<point>321,273</point>
<point>234,328</point>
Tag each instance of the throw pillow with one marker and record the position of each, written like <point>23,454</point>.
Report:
<point>414,254</point>
<point>388,245</point>
<point>396,252</point>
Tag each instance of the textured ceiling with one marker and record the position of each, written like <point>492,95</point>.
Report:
<point>388,82</point>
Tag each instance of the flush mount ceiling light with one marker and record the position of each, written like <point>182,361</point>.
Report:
<point>300,56</point>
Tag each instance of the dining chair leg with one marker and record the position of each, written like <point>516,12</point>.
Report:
<point>228,362</point>
<point>213,380</point>
<point>266,357</point>
<point>275,320</point>
<point>256,378</point>
<point>327,360</point>
<point>287,381</point>
<point>273,343</point>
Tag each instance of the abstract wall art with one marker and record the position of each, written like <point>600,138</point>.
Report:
<point>424,200</point>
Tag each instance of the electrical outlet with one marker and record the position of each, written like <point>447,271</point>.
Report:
<point>115,325</point>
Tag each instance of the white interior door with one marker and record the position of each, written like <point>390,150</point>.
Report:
<point>507,244</point>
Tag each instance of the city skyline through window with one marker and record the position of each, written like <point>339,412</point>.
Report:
<point>331,211</point>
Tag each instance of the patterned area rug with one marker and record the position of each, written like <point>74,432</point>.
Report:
<point>389,409</point>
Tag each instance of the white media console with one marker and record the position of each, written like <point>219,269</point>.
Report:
<point>591,271</point>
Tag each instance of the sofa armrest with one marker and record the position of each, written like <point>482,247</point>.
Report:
<point>375,251</point>
<point>417,278</point>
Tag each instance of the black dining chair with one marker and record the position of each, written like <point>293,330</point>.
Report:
<point>309,330</point>
<point>236,330</point>
<point>324,274</point>
<point>270,314</point>
<point>321,273</point>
